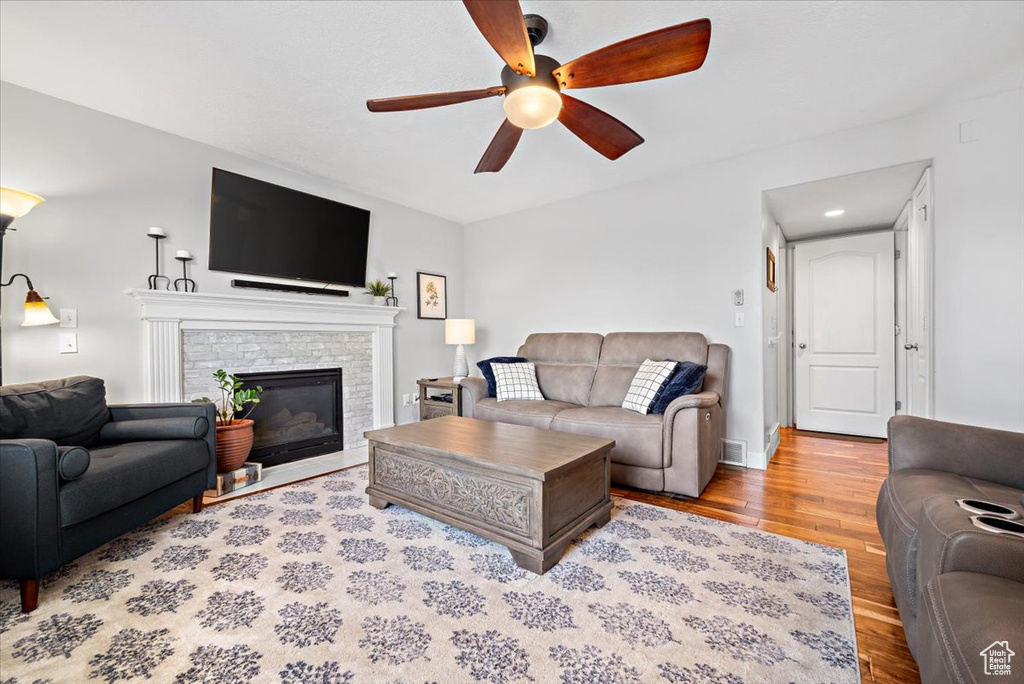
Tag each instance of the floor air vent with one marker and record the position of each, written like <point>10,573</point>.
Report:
<point>734,451</point>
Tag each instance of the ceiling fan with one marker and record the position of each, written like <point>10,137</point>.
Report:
<point>532,84</point>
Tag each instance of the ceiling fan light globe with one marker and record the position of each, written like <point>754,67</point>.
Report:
<point>533,106</point>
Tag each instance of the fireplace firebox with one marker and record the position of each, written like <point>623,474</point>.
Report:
<point>300,414</point>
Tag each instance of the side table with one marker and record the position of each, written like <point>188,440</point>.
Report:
<point>431,406</point>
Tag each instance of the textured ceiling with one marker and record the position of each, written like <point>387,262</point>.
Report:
<point>873,199</point>
<point>286,82</point>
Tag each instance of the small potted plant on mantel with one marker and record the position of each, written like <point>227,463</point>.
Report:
<point>234,435</point>
<point>379,290</point>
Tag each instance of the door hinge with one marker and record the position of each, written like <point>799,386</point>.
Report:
<point>899,330</point>
<point>897,254</point>
<point>924,208</point>
<point>899,405</point>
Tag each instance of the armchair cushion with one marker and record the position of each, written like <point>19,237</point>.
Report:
<point>140,430</point>
<point>122,473</point>
<point>488,372</point>
<point>688,379</point>
<point>72,462</point>
<point>69,412</point>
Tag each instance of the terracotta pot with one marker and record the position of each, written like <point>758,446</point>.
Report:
<point>234,442</point>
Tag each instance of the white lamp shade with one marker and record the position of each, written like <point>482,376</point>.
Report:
<point>460,331</point>
<point>17,203</point>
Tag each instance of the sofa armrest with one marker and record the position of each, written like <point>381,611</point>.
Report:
<point>983,453</point>
<point>29,513</point>
<point>702,400</point>
<point>473,390</point>
<point>134,412</point>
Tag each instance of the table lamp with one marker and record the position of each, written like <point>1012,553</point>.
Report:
<point>460,331</point>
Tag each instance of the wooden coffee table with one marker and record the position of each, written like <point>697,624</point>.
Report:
<point>530,490</point>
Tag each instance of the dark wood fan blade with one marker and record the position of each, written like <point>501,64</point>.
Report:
<point>500,149</point>
<point>670,51</point>
<point>601,131</point>
<point>501,22</point>
<point>403,104</point>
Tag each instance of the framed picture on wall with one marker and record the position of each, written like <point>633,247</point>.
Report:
<point>433,296</point>
<point>771,271</point>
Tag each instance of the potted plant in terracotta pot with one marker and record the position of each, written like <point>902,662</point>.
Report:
<point>379,290</point>
<point>234,435</point>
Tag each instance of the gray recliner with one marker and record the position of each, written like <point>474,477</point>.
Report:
<point>76,473</point>
<point>959,588</point>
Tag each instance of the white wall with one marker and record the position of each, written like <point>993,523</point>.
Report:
<point>665,254</point>
<point>106,180</point>
<point>772,304</point>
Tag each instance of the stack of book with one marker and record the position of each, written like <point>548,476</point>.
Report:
<point>236,479</point>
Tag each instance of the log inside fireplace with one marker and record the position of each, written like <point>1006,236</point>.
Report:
<point>299,416</point>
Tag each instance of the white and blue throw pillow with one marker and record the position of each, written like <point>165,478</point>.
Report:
<point>516,381</point>
<point>647,383</point>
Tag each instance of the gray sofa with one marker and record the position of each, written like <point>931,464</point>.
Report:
<point>959,588</point>
<point>76,473</point>
<point>584,378</point>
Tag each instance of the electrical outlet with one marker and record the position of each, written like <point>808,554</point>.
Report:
<point>406,400</point>
<point>740,319</point>
<point>67,343</point>
<point>69,318</point>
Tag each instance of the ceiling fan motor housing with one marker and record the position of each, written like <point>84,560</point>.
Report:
<point>545,66</point>
<point>536,28</point>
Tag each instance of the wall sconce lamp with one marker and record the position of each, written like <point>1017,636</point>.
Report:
<point>36,310</point>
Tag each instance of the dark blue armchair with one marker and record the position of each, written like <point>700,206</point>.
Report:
<point>76,473</point>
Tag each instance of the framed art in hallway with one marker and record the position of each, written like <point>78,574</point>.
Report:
<point>771,271</point>
<point>432,302</point>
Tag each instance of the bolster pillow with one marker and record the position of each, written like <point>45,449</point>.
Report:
<point>72,462</point>
<point>155,428</point>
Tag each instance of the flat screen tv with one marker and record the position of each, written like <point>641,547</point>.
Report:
<point>264,229</point>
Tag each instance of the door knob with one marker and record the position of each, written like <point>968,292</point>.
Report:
<point>802,345</point>
<point>910,347</point>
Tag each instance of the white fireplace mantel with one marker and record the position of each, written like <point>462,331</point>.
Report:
<point>166,314</point>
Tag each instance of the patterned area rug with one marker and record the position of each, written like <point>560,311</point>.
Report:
<point>308,583</point>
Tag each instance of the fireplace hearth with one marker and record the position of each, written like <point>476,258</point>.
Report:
<point>299,416</point>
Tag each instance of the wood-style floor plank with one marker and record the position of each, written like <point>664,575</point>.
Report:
<point>821,490</point>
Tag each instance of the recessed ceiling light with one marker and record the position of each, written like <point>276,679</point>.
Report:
<point>835,212</point>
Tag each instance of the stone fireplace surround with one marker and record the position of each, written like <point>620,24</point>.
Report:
<point>182,329</point>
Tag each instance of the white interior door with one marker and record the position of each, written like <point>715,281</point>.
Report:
<point>844,325</point>
<point>917,340</point>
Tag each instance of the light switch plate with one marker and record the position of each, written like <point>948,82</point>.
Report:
<point>740,319</point>
<point>969,132</point>
<point>737,297</point>
<point>67,343</point>
<point>69,318</point>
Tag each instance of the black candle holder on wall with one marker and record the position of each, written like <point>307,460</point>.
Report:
<point>156,280</point>
<point>185,281</point>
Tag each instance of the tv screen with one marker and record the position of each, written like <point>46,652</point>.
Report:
<point>264,229</point>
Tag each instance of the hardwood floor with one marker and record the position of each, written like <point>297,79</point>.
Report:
<point>822,490</point>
